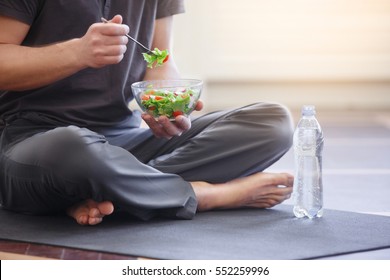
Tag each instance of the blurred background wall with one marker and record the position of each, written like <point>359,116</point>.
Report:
<point>334,54</point>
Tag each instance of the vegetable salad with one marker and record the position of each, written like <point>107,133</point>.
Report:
<point>168,103</point>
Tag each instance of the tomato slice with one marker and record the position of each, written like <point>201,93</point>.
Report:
<point>150,92</point>
<point>177,113</point>
<point>166,59</point>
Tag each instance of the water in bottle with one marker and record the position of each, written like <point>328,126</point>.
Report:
<point>308,145</point>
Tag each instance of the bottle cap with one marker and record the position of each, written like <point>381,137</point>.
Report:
<point>308,110</point>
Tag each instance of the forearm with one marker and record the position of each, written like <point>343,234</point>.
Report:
<point>23,68</point>
<point>167,71</point>
<point>162,39</point>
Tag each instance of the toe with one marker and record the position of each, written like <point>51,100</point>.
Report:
<point>94,221</point>
<point>82,219</point>
<point>106,207</point>
<point>94,213</point>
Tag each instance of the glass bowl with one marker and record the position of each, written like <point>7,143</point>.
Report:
<point>170,98</point>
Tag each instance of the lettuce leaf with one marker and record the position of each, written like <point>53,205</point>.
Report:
<point>156,57</point>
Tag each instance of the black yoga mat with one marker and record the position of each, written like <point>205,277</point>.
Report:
<point>239,234</point>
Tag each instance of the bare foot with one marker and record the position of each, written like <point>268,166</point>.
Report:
<point>260,190</point>
<point>90,212</point>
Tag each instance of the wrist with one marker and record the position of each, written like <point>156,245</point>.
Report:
<point>72,51</point>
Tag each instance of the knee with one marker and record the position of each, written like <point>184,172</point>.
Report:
<point>283,129</point>
<point>49,148</point>
<point>272,121</point>
<point>61,143</point>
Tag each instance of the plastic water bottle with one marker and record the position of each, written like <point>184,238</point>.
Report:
<point>308,145</point>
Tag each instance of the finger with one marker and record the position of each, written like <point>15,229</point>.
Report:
<point>171,128</point>
<point>115,40</point>
<point>110,29</point>
<point>183,123</point>
<point>109,54</point>
<point>109,60</point>
<point>199,105</point>
<point>114,50</point>
<point>153,125</point>
<point>117,19</point>
<point>156,127</point>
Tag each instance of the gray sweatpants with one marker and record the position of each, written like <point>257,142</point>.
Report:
<point>46,167</point>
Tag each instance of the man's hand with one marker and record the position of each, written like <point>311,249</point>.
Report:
<point>104,43</point>
<point>164,128</point>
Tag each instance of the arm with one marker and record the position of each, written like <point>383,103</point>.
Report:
<point>162,39</point>
<point>23,68</point>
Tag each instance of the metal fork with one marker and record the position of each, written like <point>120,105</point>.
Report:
<point>131,38</point>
